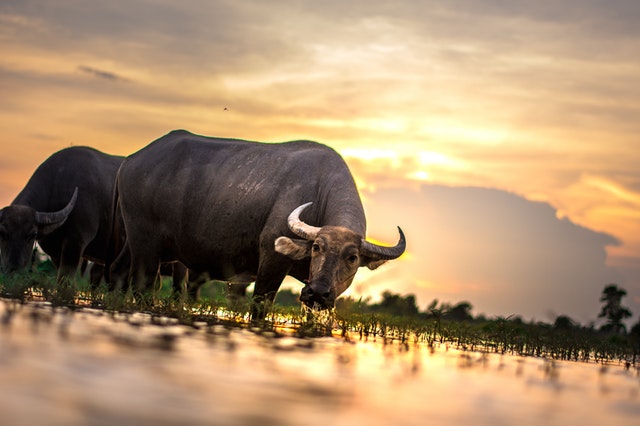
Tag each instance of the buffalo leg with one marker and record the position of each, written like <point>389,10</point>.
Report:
<point>143,274</point>
<point>95,275</point>
<point>145,248</point>
<point>69,262</point>
<point>268,282</point>
<point>145,267</point>
<point>118,273</point>
<point>179,276</point>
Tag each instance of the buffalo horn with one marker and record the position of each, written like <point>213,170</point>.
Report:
<point>384,253</point>
<point>300,228</point>
<point>49,218</point>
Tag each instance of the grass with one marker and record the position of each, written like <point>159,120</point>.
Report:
<point>499,335</point>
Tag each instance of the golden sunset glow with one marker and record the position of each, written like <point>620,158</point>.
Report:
<point>424,100</point>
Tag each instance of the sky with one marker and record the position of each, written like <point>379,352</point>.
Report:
<point>502,136</point>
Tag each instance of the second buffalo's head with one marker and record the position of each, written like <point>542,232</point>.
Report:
<point>336,254</point>
<point>20,226</point>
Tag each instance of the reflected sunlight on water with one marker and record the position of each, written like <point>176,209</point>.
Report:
<point>59,367</point>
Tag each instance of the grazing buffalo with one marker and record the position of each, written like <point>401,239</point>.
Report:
<point>247,211</point>
<point>66,207</point>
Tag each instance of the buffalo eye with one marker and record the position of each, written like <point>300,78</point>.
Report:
<point>315,248</point>
<point>352,259</point>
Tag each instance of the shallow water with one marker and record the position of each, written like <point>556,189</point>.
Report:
<point>89,367</point>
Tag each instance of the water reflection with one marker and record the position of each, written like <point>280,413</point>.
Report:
<point>63,367</point>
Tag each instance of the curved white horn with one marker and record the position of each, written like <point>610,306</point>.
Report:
<point>300,228</point>
<point>382,252</point>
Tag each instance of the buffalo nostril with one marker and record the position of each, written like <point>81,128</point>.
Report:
<point>326,295</point>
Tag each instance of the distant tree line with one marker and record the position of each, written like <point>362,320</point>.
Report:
<point>399,316</point>
<point>398,305</point>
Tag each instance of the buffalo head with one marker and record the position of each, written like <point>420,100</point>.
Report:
<point>336,254</point>
<point>20,226</point>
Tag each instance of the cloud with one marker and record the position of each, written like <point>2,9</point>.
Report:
<point>106,75</point>
<point>504,254</point>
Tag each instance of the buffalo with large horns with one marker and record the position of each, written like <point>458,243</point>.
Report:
<point>245,211</point>
<point>66,208</point>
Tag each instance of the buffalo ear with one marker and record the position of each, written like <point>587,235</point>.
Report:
<point>371,262</point>
<point>294,249</point>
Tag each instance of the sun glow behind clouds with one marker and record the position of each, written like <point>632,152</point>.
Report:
<point>422,158</point>
<point>373,125</point>
<point>372,154</point>
<point>468,134</point>
<point>419,166</point>
<point>612,188</point>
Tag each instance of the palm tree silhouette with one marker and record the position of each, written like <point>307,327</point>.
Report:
<point>613,310</point>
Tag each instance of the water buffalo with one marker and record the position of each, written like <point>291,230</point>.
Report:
<point>235,208</point>
<point>66,207</point>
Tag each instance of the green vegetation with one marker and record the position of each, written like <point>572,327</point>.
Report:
<point>395,319</point>
<point>453,325</point>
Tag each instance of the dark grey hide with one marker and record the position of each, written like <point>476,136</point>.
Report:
<point>66,207</point>
<point>230,208</point>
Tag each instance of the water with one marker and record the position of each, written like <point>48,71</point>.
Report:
<point>89,367</point>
